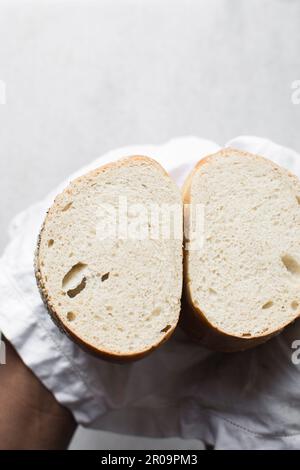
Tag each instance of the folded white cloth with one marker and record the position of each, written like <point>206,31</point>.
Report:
<point>242,400</point>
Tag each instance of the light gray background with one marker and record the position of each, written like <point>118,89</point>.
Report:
<point>84,77</point>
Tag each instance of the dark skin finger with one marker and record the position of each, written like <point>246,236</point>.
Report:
<point>30,416</point>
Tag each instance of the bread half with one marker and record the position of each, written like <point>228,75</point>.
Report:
<point>117,293</point>
<point>242,286</point>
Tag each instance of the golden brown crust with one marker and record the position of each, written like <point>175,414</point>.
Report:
<point>108,355</point>
<point>119,163</point>
<point>192,319</point>
<point>194,322</point>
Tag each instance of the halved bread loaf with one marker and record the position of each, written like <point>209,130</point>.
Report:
<point>243,285</point>
<point>119,296</point>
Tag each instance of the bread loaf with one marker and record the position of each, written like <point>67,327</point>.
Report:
<point>243,285</point>
<point>117,296</point>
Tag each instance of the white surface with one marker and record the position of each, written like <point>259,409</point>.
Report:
<point>180,390</point>
<point>84,77</point>
<point>87,439</point>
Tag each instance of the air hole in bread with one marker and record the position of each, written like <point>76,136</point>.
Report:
<point>105,277</point>
<point>212,291</point>
<point>246,335</point>
<point>298,199</point>
<point>67,206</point>
<point>156,312</point>
<point>50,242</point>
<point>74,281</point>
<point>73,276</point>
<point>73,292</point>
<point>109,308</point>
<point>268,304</point>
<point>295,305</point>
<point>71,316</point>
<point>165,329</point>
<point>291,264</point>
